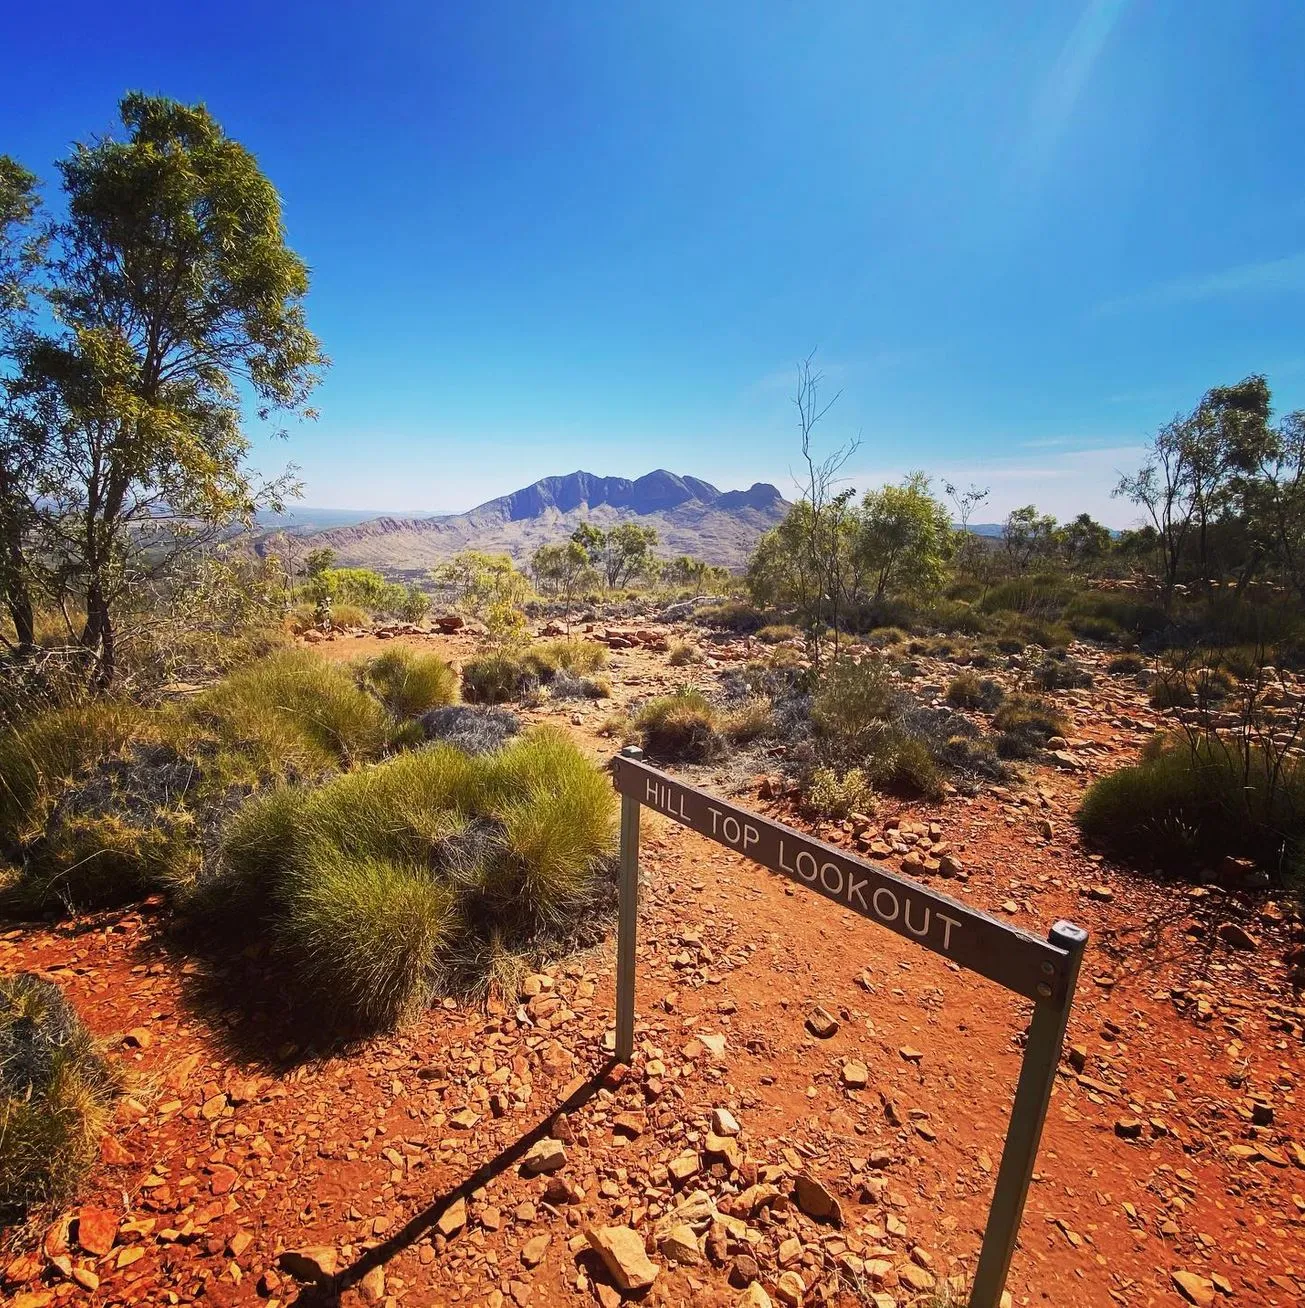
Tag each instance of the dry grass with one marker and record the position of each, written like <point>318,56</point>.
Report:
<point>56,1099</point>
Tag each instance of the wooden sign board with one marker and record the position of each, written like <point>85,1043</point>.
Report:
<point>1044,971</point>
<point>1018,960</point>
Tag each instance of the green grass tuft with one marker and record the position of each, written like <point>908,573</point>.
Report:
<point>56,1099</point>
<point>683,726</point>
<point>408,683</point>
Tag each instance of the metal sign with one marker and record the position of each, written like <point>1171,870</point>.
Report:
<point>1044,971</point>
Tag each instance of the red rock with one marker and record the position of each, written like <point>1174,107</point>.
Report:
<point>97,1229</point>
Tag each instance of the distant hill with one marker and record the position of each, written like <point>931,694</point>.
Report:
<point>691,517</point>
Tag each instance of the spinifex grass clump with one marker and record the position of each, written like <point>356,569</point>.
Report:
<point>293,713</point>
<point>56,1098</point>
<point>387,884</point>
<point>408,683</point>
<point>1189,802</point>
<point>497,679</point>
<point>683,726</point>
<point>578,657</point>
<point>103,801</point>
<point>1026,724</point>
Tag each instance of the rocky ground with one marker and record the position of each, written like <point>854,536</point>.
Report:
<point>814,1114</point>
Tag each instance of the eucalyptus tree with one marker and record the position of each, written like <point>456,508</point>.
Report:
<point>175,299</point>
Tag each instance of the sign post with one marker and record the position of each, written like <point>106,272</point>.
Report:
<point>1045,971</point>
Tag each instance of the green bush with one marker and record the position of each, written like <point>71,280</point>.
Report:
<point>682,654</point>
<point>1126,665</point>
<point>39,757</point>
<point>497,679</point>
<point>1016,634</point>
<point>56,1099</point>
<point>681,726</point>
<point>904,763</point>
<point>1026,723</point>
<point>973,692</point>
<point>1193,802</point>
<point>408,683</point>
<point>578,657</point>
<point>732,615</point>
<point>387,883</point>
<point>774,633</point>
<point>749,721</point>
<point>1108,615</point>
<point>849,709</point>
<point>1060,674</point>
<point>831,794</point>
<point>292,714</point>
<point>1043,596</point>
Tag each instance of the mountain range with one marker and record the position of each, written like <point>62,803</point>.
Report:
<point>690,516</point>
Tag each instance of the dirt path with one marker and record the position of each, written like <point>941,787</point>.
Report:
<point>1175,1141</point>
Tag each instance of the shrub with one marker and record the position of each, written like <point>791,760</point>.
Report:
<point>748,721</point>
<point>973,692</point>
<point>367,931</point>
<point>1026,723</point>
<point>904,763</point>
<point>292,714</point>
<point>56,1098</point>
<point>1196,801</point>
<point>682,654</point>
<point>681,726</point>
<point>349,615</point>
<point>850,707</point>
<point>577,657</point>
<point>831,794</point>
<point>40,757</point>
<point>1044,596</point>
<point>1016,634</point>
<point>959,618</point>
<point>497,679</point>
<point>732,615</point>
<point>387,883</point>
<point>471,728</point>
<point>1112,613</point>
<point>619,726</point>
<point>566,685</point>
<point>409,683</point>
<point>774,633</point>
<point>1060,674</point>
<point>1125,665</point>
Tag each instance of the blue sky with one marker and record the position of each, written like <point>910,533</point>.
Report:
<point>550,235</point>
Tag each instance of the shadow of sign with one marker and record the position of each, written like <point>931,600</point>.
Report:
<point>328,1293</point>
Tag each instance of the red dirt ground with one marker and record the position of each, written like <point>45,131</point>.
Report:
<point>235,1144</point>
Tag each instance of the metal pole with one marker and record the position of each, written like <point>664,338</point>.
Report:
<point>627,929</point>
<point>1032,1095</point>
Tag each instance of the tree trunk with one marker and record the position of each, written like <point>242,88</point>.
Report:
<point>99,637</point>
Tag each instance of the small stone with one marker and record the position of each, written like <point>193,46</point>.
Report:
<point>856,1075</point>
<point>744,1270</point>
<point>315,1263</point>
<point>1232,933</point>
<point>911,1055</point>
<point>1103,894</point>
<point>753,1297</point>
<point>97,1229</point>
<point>546,1155</point>
<point>532,1252</point>
<point>622,1251</point>
<point>723,1122</point>
<point>138,1037</point>
<point>371,1288</point>
<point>683,1167</point>
<point>791,1289</point>
<point>680,1245</point>
<point>453,1218</point>
<point>1195,1289</point>
<point>821,1023</point>
<point>815,1200</point>
<point>1128,1128</point>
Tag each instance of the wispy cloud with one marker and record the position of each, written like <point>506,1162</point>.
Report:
<point>1272,277</point>
<point>1065,81</point>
